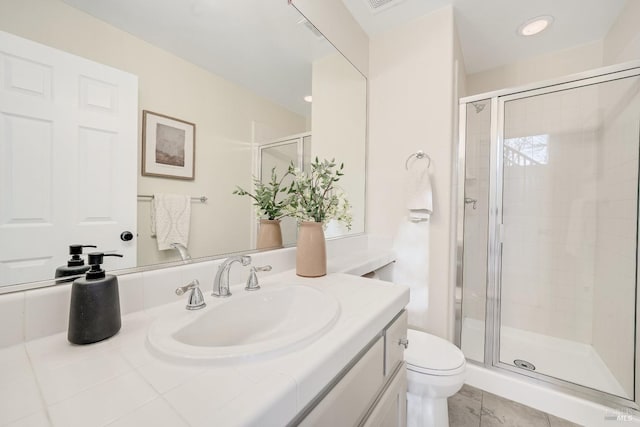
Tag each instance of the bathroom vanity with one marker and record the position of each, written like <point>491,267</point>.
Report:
<point>371,391</point>
<point>351,373</point>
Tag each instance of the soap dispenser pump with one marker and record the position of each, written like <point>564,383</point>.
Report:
<point>75,266</point>
<point>94,312</point>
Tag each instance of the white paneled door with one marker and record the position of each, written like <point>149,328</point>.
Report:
<point>68,158</point>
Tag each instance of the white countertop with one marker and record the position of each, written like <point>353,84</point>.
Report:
<point>119,382</point>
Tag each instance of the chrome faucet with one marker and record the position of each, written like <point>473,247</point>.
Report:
<point>196,300</point>
<point>184,254</point>
<point>221,282</point>
<point>252,281</point>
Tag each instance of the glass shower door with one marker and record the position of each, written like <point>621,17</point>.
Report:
<point>567,203</point>
<point>279,155</point>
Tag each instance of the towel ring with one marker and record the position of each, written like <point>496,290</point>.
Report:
<point>418,155</point>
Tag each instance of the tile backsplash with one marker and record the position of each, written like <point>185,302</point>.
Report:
<point>37,313</point>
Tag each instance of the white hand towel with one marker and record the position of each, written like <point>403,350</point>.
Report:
<point>170,219</point>
<point>420,195</point>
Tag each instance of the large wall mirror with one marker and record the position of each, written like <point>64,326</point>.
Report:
<point>229,77</point>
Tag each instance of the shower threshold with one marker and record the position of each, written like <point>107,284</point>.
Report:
<point>564,359</point>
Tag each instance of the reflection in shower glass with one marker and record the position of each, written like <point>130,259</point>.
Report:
<point>569,215</point>
<point>476,194</point>
<point>526,150</point>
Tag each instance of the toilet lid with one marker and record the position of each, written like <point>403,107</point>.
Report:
<point>432,355</point>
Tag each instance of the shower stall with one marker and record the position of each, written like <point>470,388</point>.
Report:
<point>548,233</point>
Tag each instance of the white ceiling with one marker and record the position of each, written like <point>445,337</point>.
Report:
<point>260,45</point>
<point>487,28</point>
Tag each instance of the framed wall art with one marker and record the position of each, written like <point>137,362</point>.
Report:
<point>168,146</point>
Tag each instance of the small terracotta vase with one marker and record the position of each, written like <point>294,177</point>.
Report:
<point>311,254</point>
<point>269,234</point>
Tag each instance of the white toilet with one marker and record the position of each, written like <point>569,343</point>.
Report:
<point>435,371</point>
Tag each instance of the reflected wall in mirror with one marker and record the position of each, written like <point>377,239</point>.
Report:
<point>239,72</point>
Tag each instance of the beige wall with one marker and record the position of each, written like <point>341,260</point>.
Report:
<point>542,67</point>
<point>411,104</point>
<point>461,85</point>
<point>223,113</point>
<point>335,21</point>
<point>339,120</point>
<point>622,43</point>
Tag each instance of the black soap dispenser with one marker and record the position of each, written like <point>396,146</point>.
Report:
<point>94,313</point>
<point>75,266</point>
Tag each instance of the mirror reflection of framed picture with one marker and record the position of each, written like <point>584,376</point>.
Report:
<point>168,146</point>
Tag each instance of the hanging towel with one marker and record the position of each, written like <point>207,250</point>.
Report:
<point>420,196</point>
<point>170,219</point>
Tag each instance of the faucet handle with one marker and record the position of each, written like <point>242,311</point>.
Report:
<point>196,299</point>
<point>252,281</point>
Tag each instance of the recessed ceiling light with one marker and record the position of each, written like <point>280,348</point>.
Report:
<point>308,98</point>
<point>535,25</point>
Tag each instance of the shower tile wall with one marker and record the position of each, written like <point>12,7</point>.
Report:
<point>615,266</point>
<point>477,150</point>
<point>549,214</point>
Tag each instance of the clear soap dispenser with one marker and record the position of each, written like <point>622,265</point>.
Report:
<point>94,312</point>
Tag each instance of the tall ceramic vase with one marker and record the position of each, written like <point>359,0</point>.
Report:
<point>311,254</point>
<point>269,234</point>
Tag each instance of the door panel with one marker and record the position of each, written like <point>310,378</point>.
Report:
<point>68,143</point>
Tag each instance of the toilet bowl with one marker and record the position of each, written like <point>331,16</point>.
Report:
<point>435,371</point>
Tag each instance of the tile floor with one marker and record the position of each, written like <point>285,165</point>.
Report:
<point>472,407</point>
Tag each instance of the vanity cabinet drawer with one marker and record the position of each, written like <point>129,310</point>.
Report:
<point>347,402</point>
<point>395,337</point>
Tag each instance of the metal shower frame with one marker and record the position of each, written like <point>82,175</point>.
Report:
<point>497,100</point>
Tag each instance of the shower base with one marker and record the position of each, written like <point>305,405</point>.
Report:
<point>555,357</point>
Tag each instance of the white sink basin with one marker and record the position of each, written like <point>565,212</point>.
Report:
<point>245,325</point>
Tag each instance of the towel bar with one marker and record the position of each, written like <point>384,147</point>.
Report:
<point>201,199</point>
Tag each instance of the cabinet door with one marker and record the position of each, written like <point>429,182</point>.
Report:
<point>348,401</point>
<point>394,335</point>
<point>391,409</point>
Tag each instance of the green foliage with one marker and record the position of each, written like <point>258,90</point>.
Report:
<point>315,196</point>
<point>266,197</point>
